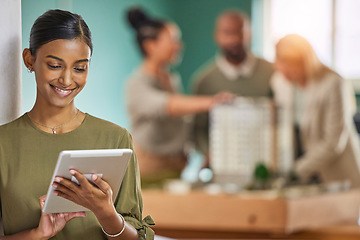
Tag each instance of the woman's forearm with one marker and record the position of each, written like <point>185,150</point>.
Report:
<point>32,234</point>
<point>180,105</point>
<point>113,224</point>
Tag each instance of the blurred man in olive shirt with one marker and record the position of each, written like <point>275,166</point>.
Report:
<point>235,69</point>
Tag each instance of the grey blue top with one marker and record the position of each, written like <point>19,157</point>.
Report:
<point>27,160</point>
<point>151,127</point>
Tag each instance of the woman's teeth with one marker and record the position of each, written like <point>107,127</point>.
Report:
<point>62,92</point>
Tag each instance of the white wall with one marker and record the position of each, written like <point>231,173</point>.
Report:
<point>10,60</point>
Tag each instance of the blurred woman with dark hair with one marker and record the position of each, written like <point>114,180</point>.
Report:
<point>155,103</point>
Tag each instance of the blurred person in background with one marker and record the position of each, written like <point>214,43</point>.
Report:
<point>155,103</point>
<point>235,69</point>
<point>330,145</point>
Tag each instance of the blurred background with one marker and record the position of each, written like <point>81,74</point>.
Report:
<point>329,25</point>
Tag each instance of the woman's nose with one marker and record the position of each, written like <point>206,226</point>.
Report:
<point>65,78</point>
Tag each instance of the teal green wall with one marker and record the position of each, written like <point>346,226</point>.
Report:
<point>30,10</point>
<point>115,53</point>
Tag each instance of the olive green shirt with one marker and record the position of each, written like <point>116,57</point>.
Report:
<point>27,160</point>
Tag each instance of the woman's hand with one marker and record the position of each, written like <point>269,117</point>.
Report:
<point>52,223</point>
<point>223,97</point>
<point>97,198</point>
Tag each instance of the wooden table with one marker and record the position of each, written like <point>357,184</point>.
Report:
<point>200,215</point>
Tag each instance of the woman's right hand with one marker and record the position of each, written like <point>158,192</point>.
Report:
<point>52,223</point>
<point>223,97</point>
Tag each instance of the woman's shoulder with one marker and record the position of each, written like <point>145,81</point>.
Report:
<point>332,80</point>
<point>12,129</point>
<point>138,80</point>
<point>138,75</point>
<point>108,130</point>
<point>104,125</point>
<point>14,124</point>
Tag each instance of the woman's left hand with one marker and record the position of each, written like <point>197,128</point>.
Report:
<point>97,199</point>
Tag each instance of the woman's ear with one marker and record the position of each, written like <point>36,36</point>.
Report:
<point>149,46</point>
<point>29,59</point>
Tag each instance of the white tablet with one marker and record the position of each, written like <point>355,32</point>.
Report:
<point>109,164</point>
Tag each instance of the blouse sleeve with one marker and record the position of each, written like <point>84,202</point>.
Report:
<point>129,201</point>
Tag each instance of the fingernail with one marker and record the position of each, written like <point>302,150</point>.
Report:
<point>72,172</point>
<point>57,179</point>
<point>54,185</point>
<point>94,177</point>
<point>56,193</point>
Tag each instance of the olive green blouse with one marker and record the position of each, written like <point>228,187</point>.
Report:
<point>27,160</point>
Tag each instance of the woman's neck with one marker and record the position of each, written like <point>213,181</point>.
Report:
<point>160,73</point>
<point>302,82</point>
<point>50,118</point>
<point>47,111</point>
<point>153,68</point>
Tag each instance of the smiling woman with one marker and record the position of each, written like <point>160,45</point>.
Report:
<point>59,55</point>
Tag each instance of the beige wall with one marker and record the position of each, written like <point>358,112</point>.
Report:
<point>10,60</point>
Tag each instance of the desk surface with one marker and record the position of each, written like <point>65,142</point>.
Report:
<point>198,215</point>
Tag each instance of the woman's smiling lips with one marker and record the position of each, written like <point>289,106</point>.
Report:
<point>61,91</point>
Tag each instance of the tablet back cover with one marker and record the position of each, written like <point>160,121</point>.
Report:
<point>110,163</point>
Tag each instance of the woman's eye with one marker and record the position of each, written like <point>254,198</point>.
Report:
<point>79,69</point>
<point>54,66</point>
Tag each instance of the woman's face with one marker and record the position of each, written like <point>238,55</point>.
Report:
<point>61,69</point>
<point>290,64</point>
<point>167,46</point>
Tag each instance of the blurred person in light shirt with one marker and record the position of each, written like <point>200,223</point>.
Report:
<point>322,107</point>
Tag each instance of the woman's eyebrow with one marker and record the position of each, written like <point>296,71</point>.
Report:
<point>51,56</point>
<point>57,58</point>
<point>82,60</point>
